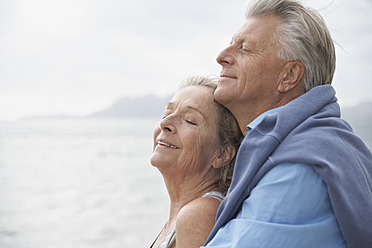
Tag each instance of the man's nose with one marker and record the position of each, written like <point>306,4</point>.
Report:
<point>225,57</point>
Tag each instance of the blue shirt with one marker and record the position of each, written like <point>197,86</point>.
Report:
<point>289,207</point>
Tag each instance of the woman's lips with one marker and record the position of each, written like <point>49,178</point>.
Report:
<point>159,142</point>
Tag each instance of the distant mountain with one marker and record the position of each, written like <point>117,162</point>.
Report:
<point>359,115</point>
<point>50,117</point>
<point>360,119</point>
<point>148,106</point>
<point>152,106</point>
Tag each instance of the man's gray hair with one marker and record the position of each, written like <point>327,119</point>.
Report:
<point>302,36</point>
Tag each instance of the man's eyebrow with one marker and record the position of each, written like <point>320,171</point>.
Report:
<point>240,39</point>
<point>169,105</point>
<point>237,39</point>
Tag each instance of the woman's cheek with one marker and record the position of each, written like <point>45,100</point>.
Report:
<point>190,159</point>
<point>156,133</point>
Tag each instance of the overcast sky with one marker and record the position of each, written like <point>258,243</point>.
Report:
<point>76,57</point>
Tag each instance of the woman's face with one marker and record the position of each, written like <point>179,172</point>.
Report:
<point>185,140</point>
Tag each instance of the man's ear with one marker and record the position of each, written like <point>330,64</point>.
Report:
<point>225,155</point>
<point>291,76</point>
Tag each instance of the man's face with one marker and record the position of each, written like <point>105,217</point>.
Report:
<point>250,68</point>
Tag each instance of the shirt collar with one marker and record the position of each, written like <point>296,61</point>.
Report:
<point>256,121</point>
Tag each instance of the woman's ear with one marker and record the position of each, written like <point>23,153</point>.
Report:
<point>291,76</point>
<point>225,155</point>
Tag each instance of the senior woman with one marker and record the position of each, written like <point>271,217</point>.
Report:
<point>194,149</point>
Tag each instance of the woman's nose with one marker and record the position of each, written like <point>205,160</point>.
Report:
<point>167,125</point>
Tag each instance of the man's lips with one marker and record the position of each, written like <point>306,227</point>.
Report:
<point>227,76</point>
<point>163,143</point>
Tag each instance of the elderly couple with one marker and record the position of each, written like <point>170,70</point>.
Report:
<point>261,158</point>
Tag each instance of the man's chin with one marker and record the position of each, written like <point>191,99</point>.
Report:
<point>221,95</point>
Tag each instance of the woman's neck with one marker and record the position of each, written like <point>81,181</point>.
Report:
<point>183,190</point>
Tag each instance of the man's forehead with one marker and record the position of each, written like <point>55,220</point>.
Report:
<point>256,29</point>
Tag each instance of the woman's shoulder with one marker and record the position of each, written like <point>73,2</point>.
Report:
<point>196,219</point>
<point>200,208</point>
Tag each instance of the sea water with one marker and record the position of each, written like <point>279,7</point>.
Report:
<point>79,183</point>
<point>82,183</point>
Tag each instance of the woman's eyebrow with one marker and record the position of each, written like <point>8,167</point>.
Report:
<point>196,109</point>
<point>171,105</point>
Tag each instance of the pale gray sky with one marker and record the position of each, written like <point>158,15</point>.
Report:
<point>75,57</point>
